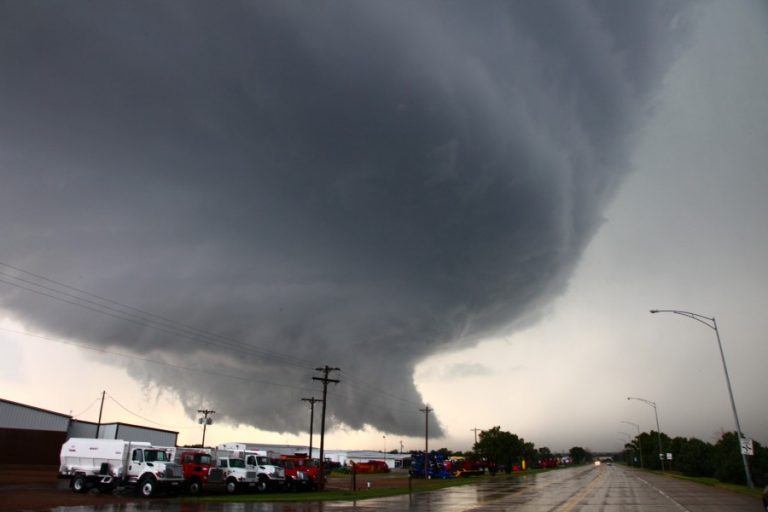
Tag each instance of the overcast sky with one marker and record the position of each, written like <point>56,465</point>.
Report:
<point>471,206</point>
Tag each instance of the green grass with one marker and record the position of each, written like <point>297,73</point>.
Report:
<point>713,482</point>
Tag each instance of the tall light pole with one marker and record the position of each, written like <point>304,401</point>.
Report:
<point>626,440</point>
<point>639,445</point>
<point>712,324</point>
<point>658,430</point>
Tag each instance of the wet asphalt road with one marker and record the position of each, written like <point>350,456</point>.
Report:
<point>584,489</point>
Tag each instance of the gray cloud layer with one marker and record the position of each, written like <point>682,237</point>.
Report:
<point>354,184</point>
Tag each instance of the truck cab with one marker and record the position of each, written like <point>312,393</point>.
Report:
<point>269,475</point>
<point>196,465</point>
<point>230,471</point>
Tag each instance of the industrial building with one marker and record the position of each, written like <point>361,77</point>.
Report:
<point>33,436</point>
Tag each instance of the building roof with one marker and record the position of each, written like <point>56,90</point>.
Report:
<point>11,402</point>
<point>123,424</point>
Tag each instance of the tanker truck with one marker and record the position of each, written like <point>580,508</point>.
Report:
<point>106,464</point>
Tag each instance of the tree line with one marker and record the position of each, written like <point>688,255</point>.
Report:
<point>505,451</point>
<point>694,457</point>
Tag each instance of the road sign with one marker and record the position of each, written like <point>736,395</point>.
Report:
<point>747,448</point>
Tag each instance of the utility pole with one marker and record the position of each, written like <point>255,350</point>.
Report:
<point>325,380</point>
<point>475,430</point>
<point>312,402</point>
<point>426,410</point>
<point>98,425</point>
<point>205,420</point>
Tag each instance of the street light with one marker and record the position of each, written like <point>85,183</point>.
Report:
<point>639,444</point>
<point>712,324</point>
<point>626,441</point>
<point>658,430</point>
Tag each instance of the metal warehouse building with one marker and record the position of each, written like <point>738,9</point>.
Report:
<point>30,435</point>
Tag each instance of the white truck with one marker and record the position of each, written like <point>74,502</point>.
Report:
<point>106,464</point>
<point>268,475</point>
<point>229,470</point>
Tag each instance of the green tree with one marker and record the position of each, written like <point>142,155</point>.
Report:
<point>499,447</point>
<point>727,459</point>
<point>693,457</point>
<point>579,455</point>
<point>649,444</point>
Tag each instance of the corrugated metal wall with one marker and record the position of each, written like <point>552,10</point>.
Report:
<point>20,416</point>
<point>33,436</point>
<point>134,433</point>
<point>123,431</point>
<point>82,429</point>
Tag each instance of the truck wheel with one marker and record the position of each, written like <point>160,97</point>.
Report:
<point>194,488</point>
<point>262,485</point>
<point>231,486</point>
<point>79,484</point>
<point>147,486</point>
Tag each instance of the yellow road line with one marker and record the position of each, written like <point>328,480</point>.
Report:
<point>578,498</point>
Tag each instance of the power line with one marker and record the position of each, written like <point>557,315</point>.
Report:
<point>87,408</point>
<point>112,308</point>
<point>426,410</point>
<point>325,380</point>
<point>136,414</point>
<point>155,361</point>
<point>312,402</point>
<point>117,310</point>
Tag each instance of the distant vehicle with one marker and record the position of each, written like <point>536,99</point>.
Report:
<point>106,464</point>
<point>462,467</point>
<point>372,466</point>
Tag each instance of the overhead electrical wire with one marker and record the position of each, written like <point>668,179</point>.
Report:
<point>96,400</point>
<point>136,414</point>
<point>156,361</point>
<point>113,308</point>
<point>124,312</point>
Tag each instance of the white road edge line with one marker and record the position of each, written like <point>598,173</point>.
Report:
<point>649,484</point>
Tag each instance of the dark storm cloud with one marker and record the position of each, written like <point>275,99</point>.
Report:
<point>358,184</point>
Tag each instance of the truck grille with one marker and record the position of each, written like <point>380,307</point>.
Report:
<point>174,471</point>
<point>250,476</point>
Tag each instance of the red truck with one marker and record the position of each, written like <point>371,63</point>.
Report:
<point>372,466</point>
<point>301,472</point>
<point>196,465</point>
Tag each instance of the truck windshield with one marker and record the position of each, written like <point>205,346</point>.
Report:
<point>202,458</point>
<point>236,463</point>
<point>155,456</point>
<point>263,461</point>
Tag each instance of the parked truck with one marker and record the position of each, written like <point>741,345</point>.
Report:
<point>301,474</point>
<point>269,477</point>
<point>106,464</point>
<point>230,471</point>
<point>196,464</point>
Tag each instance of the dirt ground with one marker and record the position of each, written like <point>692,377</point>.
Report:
<point>38,489</point>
